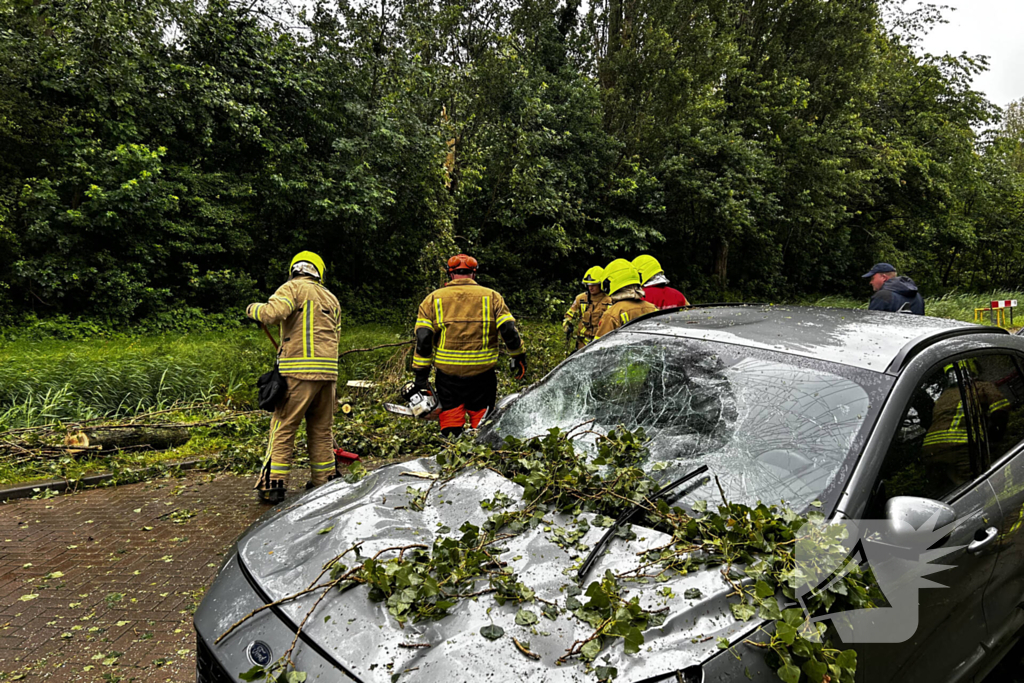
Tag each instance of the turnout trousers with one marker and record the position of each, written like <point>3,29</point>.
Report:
<point>459,396</point>
<point>314,401</point>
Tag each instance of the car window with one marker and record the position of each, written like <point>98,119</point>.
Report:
<point>771,427</point>
<point>999,394</point>
<point>930,455</point>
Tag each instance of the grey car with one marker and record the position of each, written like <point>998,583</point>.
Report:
<point>847,409</point>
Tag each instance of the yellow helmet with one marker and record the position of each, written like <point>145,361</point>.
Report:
<point>594,276</point>
<point>618,274</point>
<point>648,266</point>
<point>312,258</point>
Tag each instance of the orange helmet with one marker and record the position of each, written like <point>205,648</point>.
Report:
<point>462,263</point>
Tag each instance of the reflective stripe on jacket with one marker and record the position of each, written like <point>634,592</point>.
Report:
<point>590,308</point>
<point>309,316</point>
<point>464,320</point>
<point>621,312</point>
<point>948,424</point>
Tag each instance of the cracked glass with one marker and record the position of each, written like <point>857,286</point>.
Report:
<point>771,427</point>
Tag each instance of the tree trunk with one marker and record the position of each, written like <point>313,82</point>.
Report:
<point>111,438</point>
<point>720,271</point>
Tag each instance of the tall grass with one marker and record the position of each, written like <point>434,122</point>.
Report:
<point>59,381</point>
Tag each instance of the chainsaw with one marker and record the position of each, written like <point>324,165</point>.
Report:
<point>420,403</point>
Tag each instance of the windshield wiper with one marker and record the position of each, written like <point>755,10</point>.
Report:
<point>626,516</point>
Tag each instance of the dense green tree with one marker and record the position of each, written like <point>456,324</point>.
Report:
<point>164,155</point>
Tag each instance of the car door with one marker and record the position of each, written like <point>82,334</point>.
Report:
<point>998,386</point>
<point>936,453</point>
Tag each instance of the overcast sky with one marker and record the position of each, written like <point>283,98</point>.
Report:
<point>987,27</point>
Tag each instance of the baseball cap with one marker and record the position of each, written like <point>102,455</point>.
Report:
<point>880,268</point>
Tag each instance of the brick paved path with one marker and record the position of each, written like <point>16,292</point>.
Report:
<point>101,585</point>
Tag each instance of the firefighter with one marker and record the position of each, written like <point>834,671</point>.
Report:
<point>656,289</point>
<point>457,330</point>
<point>945,444</point>
<point>622,283</point>
<point>584,316</point>
<point>308,360</point>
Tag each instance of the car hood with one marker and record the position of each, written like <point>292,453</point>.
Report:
<point>285,552</point>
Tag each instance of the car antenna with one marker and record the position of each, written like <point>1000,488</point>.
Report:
<point>626,516</point>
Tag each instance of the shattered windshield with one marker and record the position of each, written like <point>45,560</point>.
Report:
<point>771,427</point>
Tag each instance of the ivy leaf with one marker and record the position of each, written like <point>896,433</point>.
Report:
<point>492,632</point>
<point>763,590</point>
<point>325,530</point>
<point>550,611</point>
<point>605,673</point>
<point>794,616</point>
<point>693,594</point>
<point>525,617</point>
<point>847,659</point>
<point>743,611</point>
<point>789,674</point>
<point>256,673</point>
<point>292,677</point>
<point>723,643</point>
<point>603,521</point>
<point>815,670</point>
<point>785,632</point>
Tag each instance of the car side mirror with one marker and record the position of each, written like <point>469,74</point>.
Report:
<point>909,515</point>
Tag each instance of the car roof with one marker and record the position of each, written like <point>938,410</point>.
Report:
<point>871,340</point>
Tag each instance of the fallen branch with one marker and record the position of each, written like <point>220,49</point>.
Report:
<point>374,348</point>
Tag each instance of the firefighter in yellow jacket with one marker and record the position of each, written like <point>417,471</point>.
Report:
<point>308,359</point>
<point>622,284</point>
<point>945,444</point>
<point>584,316</point>
<point>457,330</point>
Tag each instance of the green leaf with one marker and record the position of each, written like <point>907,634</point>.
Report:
<point>326,530</point>
<point>742,610</point>
<point>525,617</point>
<point>815,670</point>
<point>847,659</point>
<point>605,673</point>
<point>789,674</point>
<point>633,641</point>
<point>794,616</point>
<point>492,632</point>
<point>763,590</point>
<point>723,643</point>
<point>785,632</point>
<point>591,650</point>
<point>256,673</point>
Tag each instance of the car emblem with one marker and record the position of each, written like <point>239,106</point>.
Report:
<point>259,653</point>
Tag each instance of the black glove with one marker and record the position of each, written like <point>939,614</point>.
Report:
<point>422,380</point>
<point>518,366</point>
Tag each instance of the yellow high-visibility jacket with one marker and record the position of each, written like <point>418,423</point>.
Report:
<point>621,312</point>
<point>457,329</point>
<point>589,307</point>
<point>309,316</point>
<point>949,424</point>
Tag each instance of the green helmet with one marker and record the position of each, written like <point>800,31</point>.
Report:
<point>618,274</point>
<point>309,256</point>
<point>647,266</point>
<point>594,276</point>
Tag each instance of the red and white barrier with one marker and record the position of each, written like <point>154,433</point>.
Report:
<point>1005,303</point>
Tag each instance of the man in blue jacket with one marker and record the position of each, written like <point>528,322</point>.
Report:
<point>893,293</point>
